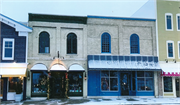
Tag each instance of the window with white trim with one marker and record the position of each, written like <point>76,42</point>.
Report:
<point>178,21</point>
<point>170,49</point>
<point>169,21</point>
<point>179,49</point>
<point>8,49</point>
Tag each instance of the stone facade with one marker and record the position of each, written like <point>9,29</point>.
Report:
<point>89,42</point>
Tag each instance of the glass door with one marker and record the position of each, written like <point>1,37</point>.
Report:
<point>124,84</point>
<point>177,87</point>
<point>57,84</point>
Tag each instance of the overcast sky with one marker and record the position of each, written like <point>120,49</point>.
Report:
<point>19,9</point>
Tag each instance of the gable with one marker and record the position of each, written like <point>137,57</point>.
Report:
<point>20,28</point>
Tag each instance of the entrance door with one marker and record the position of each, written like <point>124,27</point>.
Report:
<point>57,84</point>
<point>124,84</point>
<point>177,87</point>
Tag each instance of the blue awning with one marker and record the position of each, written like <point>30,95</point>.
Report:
<point>123,63</point>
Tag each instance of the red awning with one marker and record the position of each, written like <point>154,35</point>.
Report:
<point>170,69</point>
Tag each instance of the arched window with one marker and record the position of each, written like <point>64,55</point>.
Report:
<point>134,44</point>
<point>44,42</point>
<point>71,43</point>
<point>106,43</point>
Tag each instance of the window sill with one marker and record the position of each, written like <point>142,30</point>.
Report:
<point>7,58</point>
<point>43,53</point>
<point>71,54</point>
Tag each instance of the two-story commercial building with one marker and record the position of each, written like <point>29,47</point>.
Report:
<point>168,34</point>
<point>57,56</point>
<point>122,57</point>
<point>13,57</point>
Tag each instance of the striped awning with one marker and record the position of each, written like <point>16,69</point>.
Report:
<point>170,69</point>
<point>123,63</point>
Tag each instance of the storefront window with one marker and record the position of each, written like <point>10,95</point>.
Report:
<point>1,92</point>
<point>15,84</point>
<point>145,81</point>
<point>75,83</point>
<point>109,80</point>
<point>39,84</point>
<point>167,84</point>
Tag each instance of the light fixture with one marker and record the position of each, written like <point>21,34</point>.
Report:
<point>58,56</point>
<point>85,76</point>
<point>166,60</point>
<point>174,60</point>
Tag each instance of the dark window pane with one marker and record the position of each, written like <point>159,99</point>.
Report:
<point>104,83</point>
<point>44,42</point>
<point>134,43</point>
<point>140,73</point>
<point>15,85</point>
<point>8,52</point>
<point>133,73</point>
<point>113,73</point>
<point>149,74</point>
<point>170,49</point>
<point>105,42</point>
<point>105,73</point>
<point>149,84</point>
<point>39,84</point>
<point>113,84</point>
<point>178,23</point>
<point>133,84</point>
<point>141,84</point>
<point>71,44</point>
<point>167,84</point>
<point>168,17</point>
<point>75,82</point>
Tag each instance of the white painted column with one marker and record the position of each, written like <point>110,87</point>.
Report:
<point>155,84</point>
<point>174,86</point>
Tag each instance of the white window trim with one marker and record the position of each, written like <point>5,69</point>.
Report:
<point>171,21</point>
<point>177,21</point>
<point>178,49</point>
<point>169,41</point>
<point>8,58</point>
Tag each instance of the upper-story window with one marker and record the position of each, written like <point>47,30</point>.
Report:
<point>170,49</point>
<point>71,43</point>
<point>179,49</point>
<point>8,49</point>
<point>44,42</point>
<point>106,43</point>
<point>169,21</point>
<point>134,44</point>
<point>178,21</point>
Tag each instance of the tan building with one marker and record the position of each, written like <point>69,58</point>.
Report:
<point>122,57</point>
<point>57,46</point>
<point>168,33</point>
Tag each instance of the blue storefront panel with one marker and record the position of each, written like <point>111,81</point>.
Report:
<point>94,86</point>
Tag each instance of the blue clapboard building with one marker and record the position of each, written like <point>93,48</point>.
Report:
<point>13,58</point>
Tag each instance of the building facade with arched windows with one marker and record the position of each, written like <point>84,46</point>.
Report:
<point>122,57</point>
<point>57,56</point>
<point>91,56</point>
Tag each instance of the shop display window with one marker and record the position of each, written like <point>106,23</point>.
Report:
<point>15,84</point>
<point>145,81</point>
<point>75,83</point>
<point>109,80</point>
<point>1,91</point>
<point>168,84</point>
<point>39,84</point>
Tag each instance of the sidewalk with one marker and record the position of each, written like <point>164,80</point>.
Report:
<point>100,101</point>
